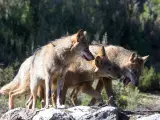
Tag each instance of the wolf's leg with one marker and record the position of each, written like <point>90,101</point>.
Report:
<point>41,95</point>
<point>108,87</point>
<point>54,98</point>
<point>60,85</point>
<point>99,88</point>
<point>29,106</point>
<point>34,87</point>
<point>88,89</point>
<point>74,95</point>
<point>54,90</point>
<point>48,84</point>
<point>28,101</point>
<point>30,98</point>
<point>11,101</point>
<point>13,94</point>
<point>64,92</point>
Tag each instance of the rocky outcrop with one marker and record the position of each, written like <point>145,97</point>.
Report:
<point>19,114</point>
<point>73,113</point>
<point>76,113</point>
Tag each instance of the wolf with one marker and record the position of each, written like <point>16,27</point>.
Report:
<point>52,59</point>
<point>130,66</point>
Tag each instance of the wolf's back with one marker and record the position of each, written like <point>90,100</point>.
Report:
<point>115,54</point>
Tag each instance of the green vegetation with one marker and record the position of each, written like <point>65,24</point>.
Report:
<point>126,97</point>
<point>150,80</point>
<point>7,74</point>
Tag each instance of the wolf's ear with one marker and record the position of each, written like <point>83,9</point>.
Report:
<point>133,57</point>
<point>145,58</point>
<point>80,35</point>
<point>98,61</point>
<point>111,53</point>
<point>102,51</point>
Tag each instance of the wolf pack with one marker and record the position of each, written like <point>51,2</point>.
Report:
<point>70,62</point>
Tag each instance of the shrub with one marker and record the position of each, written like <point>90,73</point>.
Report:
<point>149,80</point>
<point>126,97</point>
<point>7,74</point>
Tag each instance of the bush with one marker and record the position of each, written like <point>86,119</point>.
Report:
<point>7,74</point>
<point>126,97</point>
<point>149,80</point>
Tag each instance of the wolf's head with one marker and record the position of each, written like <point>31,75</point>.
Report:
<point>134,68</point>
<point>81,46</point>
<point>104,68</point>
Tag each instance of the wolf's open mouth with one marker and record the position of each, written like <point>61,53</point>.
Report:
<point>125,81</point>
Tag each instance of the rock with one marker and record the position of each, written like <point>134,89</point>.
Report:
<point>73,113</point>
<point>53,114</point>
<point>19,114</point>
<point>151,117</point>
<point>92,113</point>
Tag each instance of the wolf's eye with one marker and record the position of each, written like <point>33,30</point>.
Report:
<point>134,72</point>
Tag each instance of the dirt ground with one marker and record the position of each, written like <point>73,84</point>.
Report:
<point>150,101</point>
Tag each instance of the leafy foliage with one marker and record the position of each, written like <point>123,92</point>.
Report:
<point>7,74</point>
<point>126,98</point>
<point>150,79</point>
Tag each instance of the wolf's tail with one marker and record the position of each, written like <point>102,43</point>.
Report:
<point>10,86</point>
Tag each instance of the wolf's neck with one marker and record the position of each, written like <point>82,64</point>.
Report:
<point>82,65</point>
<point>63,48</point>
<point>122,57</point>
<point>94,49</point>
<point>117,55</point>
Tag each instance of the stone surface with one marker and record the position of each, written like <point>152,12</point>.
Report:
<point>151,117</point>
<point>53,114</point>
<point>19,114</point>
<point>94,113</point>
<point>73,113</point>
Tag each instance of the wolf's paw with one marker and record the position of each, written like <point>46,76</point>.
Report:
<point>111,101</point>
<point>46,106</point>
<point>61,106</point>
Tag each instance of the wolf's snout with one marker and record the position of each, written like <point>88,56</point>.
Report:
<point>86,54</point>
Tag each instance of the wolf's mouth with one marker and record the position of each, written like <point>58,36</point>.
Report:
<point>125,81</point>
<point>84,57</point>
<point>87,55</point>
